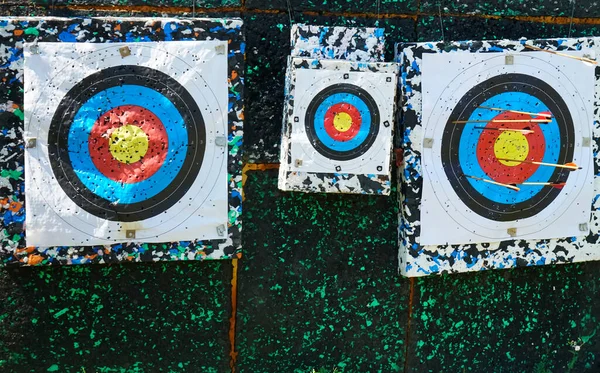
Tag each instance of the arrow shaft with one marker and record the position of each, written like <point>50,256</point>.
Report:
<point>561,54</point>
<point>503,121</point>
<point>570,167</point>
<point>517,111</point>
<point>553,165</point>
<point>494,183</point>
<point>504,130</point>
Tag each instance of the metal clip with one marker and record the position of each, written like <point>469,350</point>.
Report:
<point>509,59</point>
<point>512,232</point>
<point>298,162</point>
<point>583,227</point>
<point>220,49</point>
<point>428,143</point>
<point>30,142</point>
<point>130,233</point>
<point>125,51</point>
<point>221,230</point>
<point>586,142</point>
<point>220,141</point>
<point>34,49</point>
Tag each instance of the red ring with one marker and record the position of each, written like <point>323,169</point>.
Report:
<point>99,144</point>
<point>354,128</point>
<point>487,158</point>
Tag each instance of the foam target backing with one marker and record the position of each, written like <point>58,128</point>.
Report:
<point>499,160</point>
<point>339,125</point>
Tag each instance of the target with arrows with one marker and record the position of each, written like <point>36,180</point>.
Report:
<point>506,147</point>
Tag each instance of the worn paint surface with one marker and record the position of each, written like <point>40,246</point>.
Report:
<point>454,318</point>
<point>304,302</point>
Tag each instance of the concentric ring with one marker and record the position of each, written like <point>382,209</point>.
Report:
<point>459,159</point>
<point>361,107</point>
<point>74,118</point>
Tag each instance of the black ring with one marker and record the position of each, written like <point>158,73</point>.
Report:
<point>451,141</point>
<point>310,124</point>
<point>62,120</point>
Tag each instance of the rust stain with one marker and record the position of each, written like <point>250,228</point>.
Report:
<point>34,259</point>
<point>28,249</point>
<point>255,167</point>
<point>143,8</point>
<point>560,20</point>
<point>232,352</point>
<point>410,308</point>
<point>15,206</point>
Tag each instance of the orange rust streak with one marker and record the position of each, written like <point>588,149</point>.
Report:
<point>144,8</point>
<point>34,259</point>
<point>560,20</point>
<point>28,249</point>
<point>410,309</point>
<point>15,206</point>
<point>255,167</point>
<point>232,352</point>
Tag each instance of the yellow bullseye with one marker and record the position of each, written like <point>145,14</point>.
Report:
<point>342,122</point>
<point>511,145</point>
<point>128,144</point>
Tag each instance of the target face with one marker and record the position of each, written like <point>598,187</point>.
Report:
<point>126,142</point>
<point>498,133</point>
<point>341,122</point>
<point>113,164</point>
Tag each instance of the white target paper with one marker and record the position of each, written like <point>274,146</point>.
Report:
<point>317,151</point>
<point>199,70</point>
<point>447,77</point>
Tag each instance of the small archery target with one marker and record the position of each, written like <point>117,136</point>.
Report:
<point>500,134</point>
<point>341,121</point>
<point>125,142</point>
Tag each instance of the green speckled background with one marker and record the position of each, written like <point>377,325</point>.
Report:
<point>318,283</point>
<point>119,318</point>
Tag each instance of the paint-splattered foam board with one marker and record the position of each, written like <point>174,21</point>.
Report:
<point>500,141</point>
<point>122,139</point>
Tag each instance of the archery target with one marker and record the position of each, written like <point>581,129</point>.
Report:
<point>342,121</point>
<point>126,142</point>
<point>489,125</point>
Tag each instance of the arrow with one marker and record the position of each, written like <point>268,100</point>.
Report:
<point>524,131</point>
<point>561,54</point>
<point>503,121</point>
<point>517,112</point>
<point>509,186</point>
<point>570,166</point>
<point>557,185</point>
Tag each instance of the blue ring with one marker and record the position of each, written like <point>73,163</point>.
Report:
<point>470,137</point>
<point>106,100</point>
<point>363,132</point>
